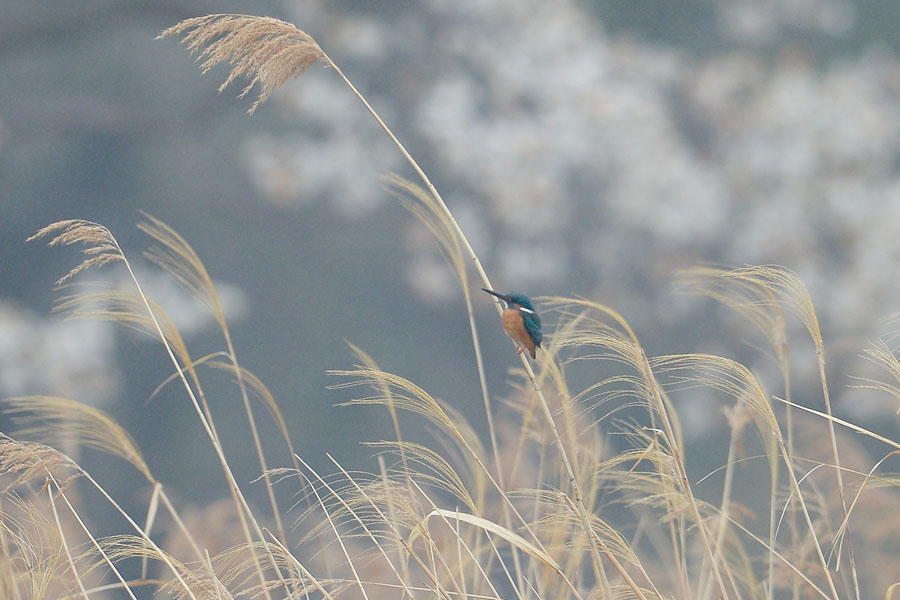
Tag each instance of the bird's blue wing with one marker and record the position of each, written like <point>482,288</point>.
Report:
<point>533,327</point>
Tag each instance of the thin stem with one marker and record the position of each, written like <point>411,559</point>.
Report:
<point>99,548</point>
<point>795,487</point>
<point>548,415</point>
<point>257,444</point>
<point>179,522</point>
<point>682,474</point>
<point>214,439</point>
<point>428,572</point>
<point>303,570</point>
<point>65,545</point>
<point>482,380</point>
<point>736,432</point>
<point>820,352</point>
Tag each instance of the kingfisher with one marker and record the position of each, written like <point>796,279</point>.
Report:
<point>520,321</point>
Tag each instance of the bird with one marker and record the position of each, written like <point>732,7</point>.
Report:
<point>520,321</point>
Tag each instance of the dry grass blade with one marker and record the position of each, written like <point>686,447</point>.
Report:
<point>730,377</point>
<point>235,570</point>
<point>405,395</point>
<point>129,308</point>
<point>33,551</point>
<point>178,259</point>
<point>593,340</point>
<point>432,468</point>
<point>425,208</point>
<point>181,261</point>
<point>889,594</point>
<point>408,396</point>
<point>259,389</point>
<point>100,246</point>
<point>869,480</point>
<point>783,559</point>
<point>500,531</point>
<point>754,290</point>
<point>385,389</point>
<point>735,380</point>
<point>578,309</point>
<point>749,291</point>
<point>133,309</point>
<point>610,542</point>
<point>187,584</point>
<point>851,426</point>
<point>431,212</point>
<point>53,421</point>
<point>261,49</point>
<point>230,574</point>
<point>397,392</point>
<point>880,354</point>
<point>746,291</point>
<point>654,484</point>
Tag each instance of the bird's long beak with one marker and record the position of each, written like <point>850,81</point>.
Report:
<point>503,297</point>
<point>493,293</point>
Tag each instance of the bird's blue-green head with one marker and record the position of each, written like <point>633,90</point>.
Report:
<point>521,300</point>
<point>513,298</point>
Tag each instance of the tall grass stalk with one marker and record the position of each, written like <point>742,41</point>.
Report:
<point>221,35</point>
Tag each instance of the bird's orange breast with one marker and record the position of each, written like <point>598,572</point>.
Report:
<point>515,328</point>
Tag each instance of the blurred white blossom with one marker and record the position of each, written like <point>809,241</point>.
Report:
<point>767,21</point>
<point>342,153</point>
<point>77,358</point>
<point>187,312</point>
<point>50,355</point>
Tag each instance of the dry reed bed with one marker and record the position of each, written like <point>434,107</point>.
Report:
<point>576,494</point>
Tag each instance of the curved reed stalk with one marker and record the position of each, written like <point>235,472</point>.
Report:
<point>175,256</point>
<point>268,52</point>
<point>758,292</point>
<point>758,304</point>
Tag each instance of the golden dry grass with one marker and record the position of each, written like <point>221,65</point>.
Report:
<point>436,520</point>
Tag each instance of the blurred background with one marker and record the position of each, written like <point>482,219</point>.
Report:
<point>587,148</point>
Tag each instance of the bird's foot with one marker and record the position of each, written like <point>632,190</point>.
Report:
<point>520,350</point>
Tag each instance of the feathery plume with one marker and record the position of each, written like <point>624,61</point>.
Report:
<point>99,244</point>
<point>27,461</point>
<point>51,420</point>
<point>262,49</point>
